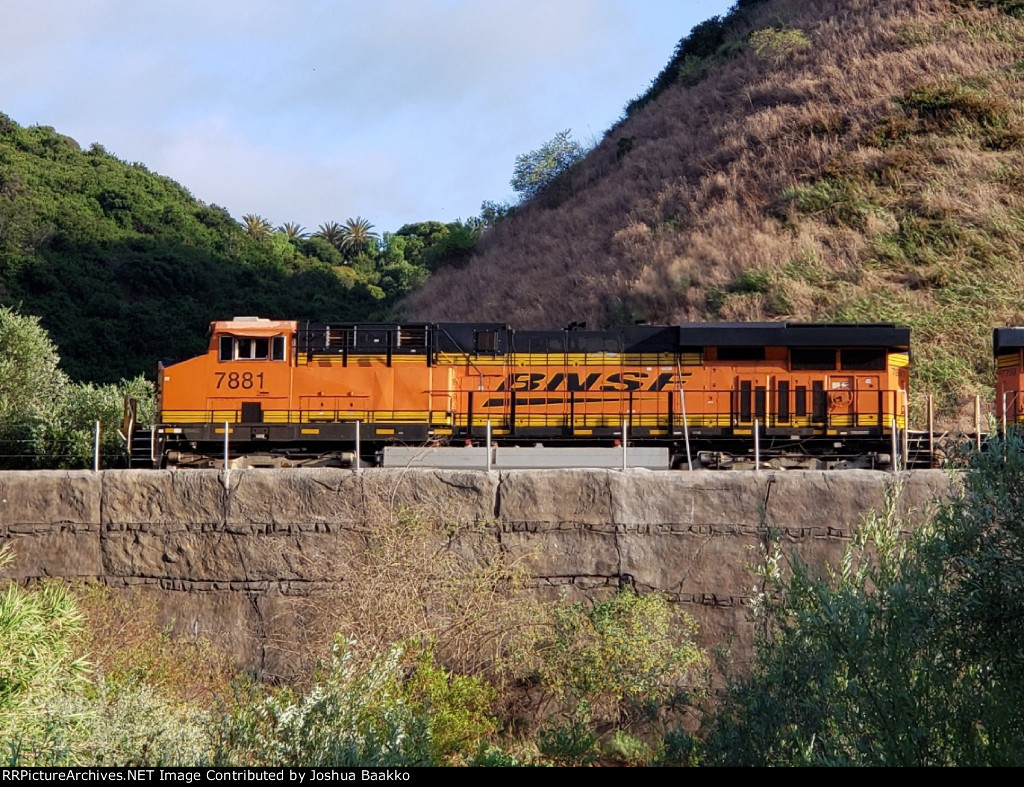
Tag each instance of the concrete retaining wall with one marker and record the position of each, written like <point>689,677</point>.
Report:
<point>227,558</point>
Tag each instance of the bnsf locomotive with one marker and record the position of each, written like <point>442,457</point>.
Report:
<point>1008,348</point>
<point>286,393</point>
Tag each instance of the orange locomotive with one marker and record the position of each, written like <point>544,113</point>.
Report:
<point>291,393</point>
<point>1007,346</point>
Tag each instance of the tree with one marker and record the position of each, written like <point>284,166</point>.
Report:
<point>492,212</point>
<point>536,171</point>
<point>45,419</point>
<point>32,386</point>
<point>911,652</point>
<point>257,226</point>
<point>332,232</point>
<point>434,245</point>
<point>31,381</point>
<point>356,235</point>
<point>69,439</point>
<point>293,231</point>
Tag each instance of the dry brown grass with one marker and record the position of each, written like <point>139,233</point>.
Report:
<point>930,197</point>
<point>126,643</point>
<point>415,577</point>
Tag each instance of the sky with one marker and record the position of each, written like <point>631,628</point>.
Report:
<point>312,111</point>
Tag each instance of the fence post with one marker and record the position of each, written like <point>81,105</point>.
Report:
<point>625,440</point>
<point>488,459</point>
<point>757,446</point>
<point>931,432</point>
<point>977,422</point>
<point>227,454</point>
<point>96,450</point>
<point>895,447</point>
<point>906,430</point>
<point>359,450</point>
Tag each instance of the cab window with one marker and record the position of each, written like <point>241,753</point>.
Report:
<point>251,348</point>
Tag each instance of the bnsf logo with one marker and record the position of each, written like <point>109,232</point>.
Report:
<point>594,381</point>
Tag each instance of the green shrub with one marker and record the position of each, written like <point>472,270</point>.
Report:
<point>626,749</point>
<point>753,280</point>
<point>616,659</point>
<point>392,709</point>
<point>456,708</point>
<point>943,106</point>
<point>777,45</point>
<point>569,744</point>
<point>834,199</point>
<point>137,724</point>
<point>909,652</point>
<point>38,668</point>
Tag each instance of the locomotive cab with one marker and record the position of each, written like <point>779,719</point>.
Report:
<point>237,389</point>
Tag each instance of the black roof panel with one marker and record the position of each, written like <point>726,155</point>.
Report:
<point>1007,339</point>
<point>462,337</point>
<point>781,334</point>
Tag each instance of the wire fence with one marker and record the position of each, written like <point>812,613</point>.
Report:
<point>28,445</point>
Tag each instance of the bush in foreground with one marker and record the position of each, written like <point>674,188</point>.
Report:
<point>910,653</point>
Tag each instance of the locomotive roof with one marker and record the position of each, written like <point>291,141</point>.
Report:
<point>634,338</point>
<point>253,326</point>
<point>711,334</point>
<point>783,334</point>
<point>1007,339</point>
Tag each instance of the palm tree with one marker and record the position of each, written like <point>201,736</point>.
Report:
<point>293,230</point>
<point>257,226</point>
<point>356,234</point>
<point>332,232</point>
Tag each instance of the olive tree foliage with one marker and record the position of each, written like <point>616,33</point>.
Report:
<point>537,170</point>
<point>46,420</point>
<point>911,652</point>
<point>30,376</point>
<point>31,385</point>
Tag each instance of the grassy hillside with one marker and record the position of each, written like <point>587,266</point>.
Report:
<point>837,160</point>
<point>125,267</point>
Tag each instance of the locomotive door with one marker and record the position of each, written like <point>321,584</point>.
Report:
<point>483,398</point>
<point>441,396</point>
<point>750,402</point>
<point>841,401</point>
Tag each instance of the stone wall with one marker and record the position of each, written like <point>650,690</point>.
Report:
<point>228,556</point>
